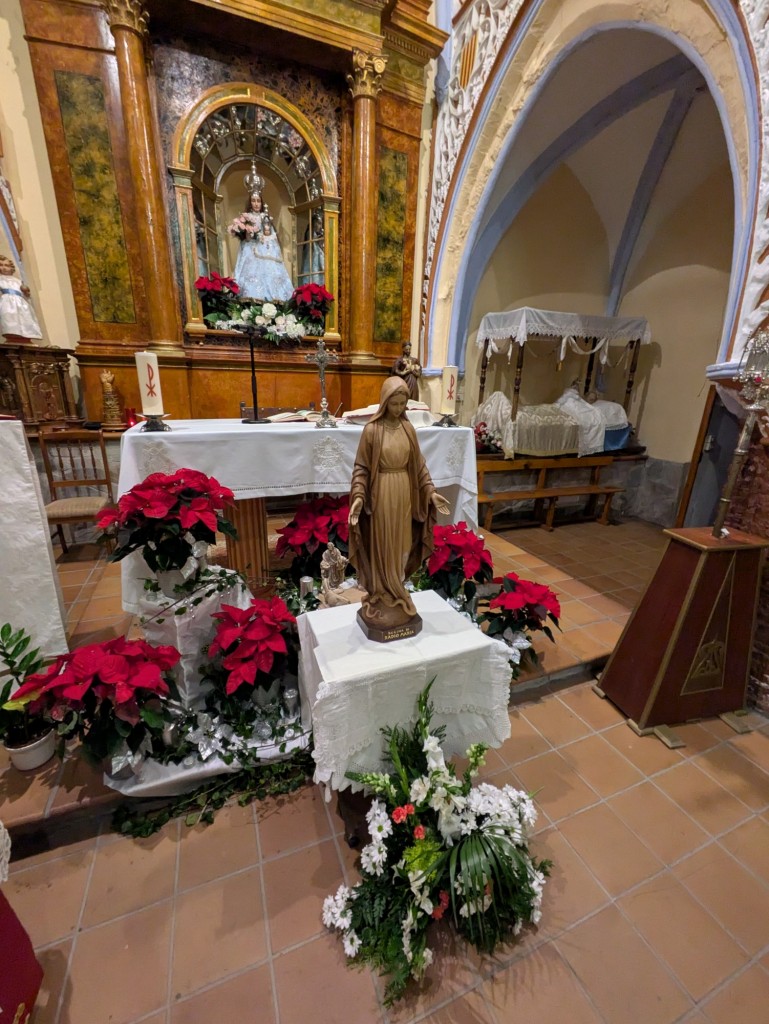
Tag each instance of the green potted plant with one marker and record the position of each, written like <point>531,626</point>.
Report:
<point>27,733</point>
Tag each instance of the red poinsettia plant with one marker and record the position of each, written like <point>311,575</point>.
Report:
<point>315,524</point>
<point>218,297</point>
<point>459,561</point>
<point>107,694</point>
<point>311,300</point>
<point>166,515</point>
<point>251,643</point>
<point>520,606</point>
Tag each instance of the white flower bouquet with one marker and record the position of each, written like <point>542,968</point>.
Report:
<point>438,846</point>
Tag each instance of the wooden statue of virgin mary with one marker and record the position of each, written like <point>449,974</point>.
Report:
<point>393,505</point>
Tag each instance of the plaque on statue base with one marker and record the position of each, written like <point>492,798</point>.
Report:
<point>685,651</point>
<point>411,627</point>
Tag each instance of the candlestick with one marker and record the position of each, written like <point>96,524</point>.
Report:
<point>149,383</point>
<point>449,390</point>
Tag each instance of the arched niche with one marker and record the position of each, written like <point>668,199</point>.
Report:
<point>230,127</point>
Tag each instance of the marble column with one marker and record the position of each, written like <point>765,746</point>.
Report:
<point>128,22</point>
<point>365,84</point>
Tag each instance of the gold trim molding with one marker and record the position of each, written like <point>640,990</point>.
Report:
<point>365,81</point>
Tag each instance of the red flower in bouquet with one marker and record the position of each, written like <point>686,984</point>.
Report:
<point>166,514</point>
<point>251,640</point>
<point>459,556</point>
<point>307,530</point>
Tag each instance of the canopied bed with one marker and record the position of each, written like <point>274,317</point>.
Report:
<point>572,424</point>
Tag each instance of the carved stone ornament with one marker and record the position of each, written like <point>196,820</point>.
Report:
<point>127,14</point>
<point>366,78</point>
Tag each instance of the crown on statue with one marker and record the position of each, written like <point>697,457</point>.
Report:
<point>254,182</point>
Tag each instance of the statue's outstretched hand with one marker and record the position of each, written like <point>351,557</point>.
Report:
<point>355,508</point>
<point>441,504</point>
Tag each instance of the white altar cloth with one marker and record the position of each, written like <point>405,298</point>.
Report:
<point>259,461</point>
<point>500,331</point>
<point>352,686</point>
<point>30,596</point>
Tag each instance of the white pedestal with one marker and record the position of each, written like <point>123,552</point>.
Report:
<point>352,687</point>
<point>188,633</point>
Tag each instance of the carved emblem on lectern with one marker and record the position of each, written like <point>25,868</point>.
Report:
<point>707,671</point>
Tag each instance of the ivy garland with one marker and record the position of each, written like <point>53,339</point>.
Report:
<point>140,819</point>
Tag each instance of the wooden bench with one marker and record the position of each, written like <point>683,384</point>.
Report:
<point>544,494</point>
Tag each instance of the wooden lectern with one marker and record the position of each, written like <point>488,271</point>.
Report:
<point>685,651</point>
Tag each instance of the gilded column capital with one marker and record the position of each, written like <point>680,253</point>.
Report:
<point>366,77</point>
<point>128,14</point>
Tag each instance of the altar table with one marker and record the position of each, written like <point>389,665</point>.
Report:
<point>263,460</point>
<point>351,687</point>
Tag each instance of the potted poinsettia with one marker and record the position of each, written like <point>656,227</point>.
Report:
<point>315,524</point>
<point>460,560</point>
<point>311,302</point>
<point>520,607</point>
<point>27,734</point>
<point>112,696</point>
<point>218,297</point>
<point>172,519</point>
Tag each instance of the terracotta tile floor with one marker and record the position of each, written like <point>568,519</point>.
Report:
<point>657,910</point>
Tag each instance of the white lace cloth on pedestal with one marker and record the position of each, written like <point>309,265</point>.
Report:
<point>352,687</point>
<point>498,332</point>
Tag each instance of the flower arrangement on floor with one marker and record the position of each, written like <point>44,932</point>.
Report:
<point>111,695</point>
<point>311,302</point>
<point>218,297</point>
<point>439,847</point>
<point>459,561</point>
<point>520,607</point>
<point>172,519</point>
<point>315,524</point>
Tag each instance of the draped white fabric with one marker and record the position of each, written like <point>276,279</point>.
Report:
<point>30,596</point>
<point>354,686</point>
<point>499,332</point>
<point>259,461</point>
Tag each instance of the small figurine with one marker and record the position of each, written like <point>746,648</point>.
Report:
<point>409,370</point>
<point>111,415</point>
<point>393,505</point>
<point>18,321</point>
<point>332,566</point>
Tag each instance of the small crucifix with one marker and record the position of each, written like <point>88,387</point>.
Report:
<point>322,358</point>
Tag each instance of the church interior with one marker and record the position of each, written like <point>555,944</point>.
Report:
<point>381,379</point>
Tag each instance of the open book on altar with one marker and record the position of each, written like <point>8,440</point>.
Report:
<point>418,413</point>
<point>294,416</point>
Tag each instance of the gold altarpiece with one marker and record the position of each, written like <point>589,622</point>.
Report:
<point>124,87</point>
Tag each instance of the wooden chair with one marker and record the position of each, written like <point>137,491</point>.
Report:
<point>75,460</point>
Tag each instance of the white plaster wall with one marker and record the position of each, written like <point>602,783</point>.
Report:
<point>25,165</point>
<point>557,23</point>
